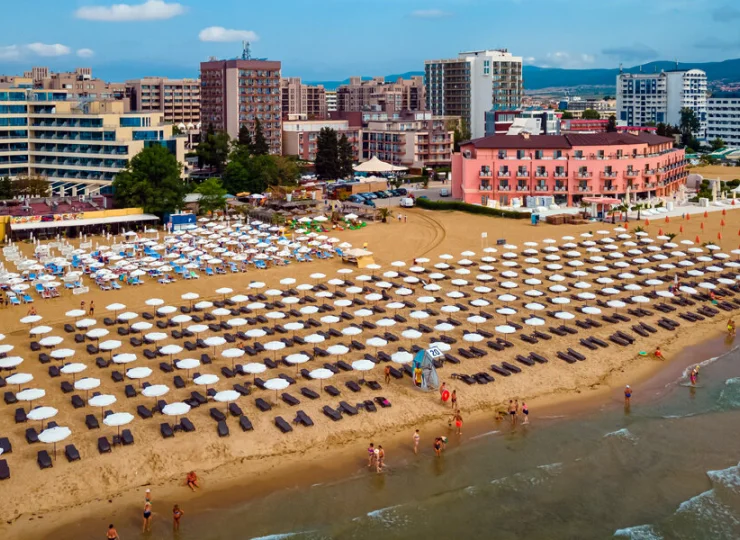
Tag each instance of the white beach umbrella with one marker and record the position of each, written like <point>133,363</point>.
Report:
<point>411,334</point>
<point>353,330</point>
<point>473,338</point>
<point>32,319</point>
<point>74,313</point>
<point>39,330</point>
<point>402,357</point>
<point>564,315</point>
<point>50,341</point>
<point>54,435</point>
<point>10,362</point>
<point>176,409</point>
<point>62,353</point>
<point>102,401</point>
<point>97,333</point>
<point>73,369</point>
<point>534,321</point>
<point>276,384</point>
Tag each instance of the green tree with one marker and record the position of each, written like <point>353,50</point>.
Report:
<point>717,144</point>
<point>260,146</point>
<point>6,188</point>
<point>345,156</point>
<point>152,181</point>
<point>176,130</point>
<point>567,115</point>
<point>214,149</point>
<point>212,195</point>
<point>461,134</point>
<point>286,170</point>
<point>689,126</point>
<point>591,114</point>
<point>662,130</point>
<point>244,138</point>
<point>327,155</point>
<point>611,125</point>
<point>29,186</point>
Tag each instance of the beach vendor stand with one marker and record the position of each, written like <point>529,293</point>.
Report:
<point>424,374</point>
<point>360,257</point>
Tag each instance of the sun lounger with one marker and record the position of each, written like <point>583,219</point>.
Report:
<point>104,445</point>
<point>625,336</point>
<point>143,412</point>
<point>186,425</point>
<point>567,357</point>
<point>538,358</point>
<point>618,340</point>
<point>331,413</point>
<point>588,344</point>
<point>71,452</point>
<point>352,385</point>
<point>77,402</point>
<point>262,405</point>
<point>91,422</point>
<point>245,424</point>
<point>44,460</point>
<point>166,430</point>
<point>331,390</point>
<point>303,419</point>
<point>235,410</point>
<point>451,359</point>
<point>127,437</point>
<point>499,370</point>
<point>4,470</point>
<point>383,402</point>
<point>5,445</point>
<point>289,399</point>
<point>20,415</point>
<point>575,354</point>
<point>116,376</point>
<point>217,415</point>
<point>282,425</point>
<point>222,429</point>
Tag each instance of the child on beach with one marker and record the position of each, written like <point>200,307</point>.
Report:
<point>381,458</point>
<point>112,533</point>
<point>659,354</point>
<point>627,393</point>
<point>370,455</point>
<point>417,437</point>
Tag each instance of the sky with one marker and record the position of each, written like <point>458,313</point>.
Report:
<point>333,39</point>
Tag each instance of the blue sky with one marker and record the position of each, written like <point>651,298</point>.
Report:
<point>333,39</point>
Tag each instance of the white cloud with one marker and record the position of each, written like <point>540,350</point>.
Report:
<point>529,59</point>
<point>85,53</point>
<point>42,49</point>
<point>429,14</point>
<point>10,52</point>
<point>564,59</point>
<point>221,34</point>
<point>151,10</point>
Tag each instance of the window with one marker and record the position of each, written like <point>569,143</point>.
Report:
<point>486,67</point>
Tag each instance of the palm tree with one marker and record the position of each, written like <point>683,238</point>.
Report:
<point>384,213</point>
<point>638,207</point>
<point>584,205</point>
<point>671,236</point>
<point>625,208</point>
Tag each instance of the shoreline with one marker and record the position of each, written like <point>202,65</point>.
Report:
<point>223,486</point>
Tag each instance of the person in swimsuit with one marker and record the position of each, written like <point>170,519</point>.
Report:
<point>387,374</point>
<point>370,455</point>
<point>176,515</point>
<point>659,353</point>
<point>692,377</point>
<point>417,437</point>
<point>525,412</point>
<point>381,458</point>
<point>192,480</point>
<point>512,412</point>
<point>92,308</point>
<point>458,422</point>
<point>438,447</point>
<point>731,327</point>
<point>627,393</point>
<point>112,533</point>
<point>453,398</point>
<point>147,526</point>
<point>442,389</point>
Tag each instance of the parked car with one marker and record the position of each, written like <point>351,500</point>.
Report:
<point>444,192</point>
<point>402,191</point>
<point>369,203</point>
<point>381,194</point>
<point>407,202</point>
<point>356,199</point>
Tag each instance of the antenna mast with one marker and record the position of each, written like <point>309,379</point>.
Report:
<point>246,53</point>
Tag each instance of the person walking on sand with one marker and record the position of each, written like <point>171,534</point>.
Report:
<point>516,408</point>
<point>381,458</point>
<point>32,311</point>
<point>438,446</point>
<point>112,533</point>
<point>417,437</point>
<point>387,372</point>
<point>92,308</point>
<point>627,393</point>
<point>512,412</point>
<point>176,515</point>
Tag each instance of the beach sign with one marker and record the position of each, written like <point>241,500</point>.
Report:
<point>434,352</point>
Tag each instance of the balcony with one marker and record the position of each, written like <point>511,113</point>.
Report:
<point>583,174</point>
<point>541,174</point>
<point>649,172</point>
<point>560,187</point>
<point>522,174</point>
<point>504,187</point>
<point>608,174</point>
<point>583,189</point>
<point>522,188</point>
<point>540,187</point>
<point>608,188</point>
<point>631,173</point>
<point>485,187</point>
<point>503,174</point>
<point>485,174</point>
<point>561,174</point>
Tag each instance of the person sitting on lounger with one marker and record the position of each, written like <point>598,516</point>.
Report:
<point>192,480</point>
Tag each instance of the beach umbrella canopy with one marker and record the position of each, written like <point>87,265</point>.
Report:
<point>276,384</point>
<point>155,336</point>
<point>62,353</point>
<point>138,373</point>
<point>41,413</point>
<point>50,341</point>
<point>363,365</point>
<point>7,348</point>
<point>411,334</point>
<point>87,384</point>
<point>75,313</point>
<point>253,368</point>
<point>402,357</point>
<point>337,350</point>
<point>38,330</point>
<point>176,409</point>
<point>591,310</point>
<point>187,363</point>
<point>564,315</point>
<point>19,378</point>
<point>74,368</point>
<point>226,396</point>
<point>10,362</point>
<point>297,358</point>
<point>473,338</point>
<point>444,327</point>
<point>170,350</point>
<point>181,319</point>
<point>214,341</point>
<point>505,329</point>
<point>616,304</point>
<point>476,319</point>
<point>141,326</point>
<point>97,333</point>
<point>321,374</point>
<point>31,319</point>
<point>109,345</point>
<point>115,307</point>
<point>352,330</point>
<point>118,419</point>
<point>206,380</point>
<point>31,394</point>
<point>534,321</point>
<point>313,338</point>
<point>155,390</point>
<point>255,333</point>
<point>232,353</point>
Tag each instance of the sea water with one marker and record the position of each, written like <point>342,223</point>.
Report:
<point>666,469</point>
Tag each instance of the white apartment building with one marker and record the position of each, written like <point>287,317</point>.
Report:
<point>723,118</point>
<point>472,84</point>
<point>331,100</point>
<point>644,98</point>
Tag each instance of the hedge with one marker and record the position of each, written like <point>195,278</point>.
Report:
<point>470,208</point>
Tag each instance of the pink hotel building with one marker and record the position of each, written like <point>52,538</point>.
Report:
<point>567,167</point>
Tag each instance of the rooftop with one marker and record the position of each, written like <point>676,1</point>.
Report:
<point>544,142</point>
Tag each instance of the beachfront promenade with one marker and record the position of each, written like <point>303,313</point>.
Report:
<point>257,360</point>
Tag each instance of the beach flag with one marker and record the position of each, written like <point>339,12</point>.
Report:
<point>702,225</point>
<point>724,212</point>
<point>696,240</point>
<point>681,230</point>
<point>706,214</point>
<point>667,219</point>
<point>722,223</point>
<point>660,232</point>
<point>719,236</point>
<point>688,216</point>
<point>647,222</point>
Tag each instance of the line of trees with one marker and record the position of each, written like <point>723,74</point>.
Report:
<point>23,186</point>
<point>334,156</point>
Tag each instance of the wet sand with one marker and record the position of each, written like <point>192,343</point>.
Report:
<point>63,494</point>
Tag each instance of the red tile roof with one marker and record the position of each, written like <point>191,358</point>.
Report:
<point>564,142</point>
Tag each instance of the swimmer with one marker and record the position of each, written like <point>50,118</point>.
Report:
<point>627,393</point>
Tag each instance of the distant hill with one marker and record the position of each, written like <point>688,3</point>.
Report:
<point>537,78</point>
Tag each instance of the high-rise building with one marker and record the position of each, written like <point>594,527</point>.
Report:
<point>178,99</point>
<point>377,94</point>
<point>723,118</point>
<point>654,98</point>
<point>472,84</point>
<point>302,100</point>
<point>237,93</point>
<point>331,101</point>
<point>78,146</point>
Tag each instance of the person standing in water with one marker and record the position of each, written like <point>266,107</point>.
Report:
<point>176,515</point>
<point>458,422</point>
<point>417,437</point>
<point>525,412</point>
<point>370,456</point>
<point>512,412</point>
<point>731,327</point>
<point>147,525</point>
<point>381,458</point>
<point>112,533</point>
<point>627,393</point>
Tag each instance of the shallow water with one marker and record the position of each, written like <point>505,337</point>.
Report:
<point>664,470</point>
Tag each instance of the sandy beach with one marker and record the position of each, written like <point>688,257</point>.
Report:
<point>40,501</point>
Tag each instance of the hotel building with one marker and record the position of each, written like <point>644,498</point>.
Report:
<point>723,118</point>
<point>302,101</point>
<point>377,94</point>
<point>237,93</point>
<point>300,137</point>
<point>79,147</point>
<point>502,168</point>
<point>472,84</point>
<point>644,98</point>
<point>177,99</point>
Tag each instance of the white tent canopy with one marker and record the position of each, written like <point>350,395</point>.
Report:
<point>375,165</point>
